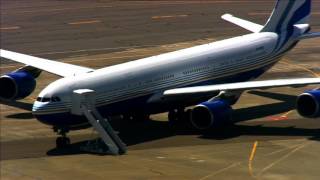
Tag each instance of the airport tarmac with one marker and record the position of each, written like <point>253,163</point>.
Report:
<point>275,142</point>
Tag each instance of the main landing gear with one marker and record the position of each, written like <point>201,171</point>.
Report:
<point>63,141</point>
<point>178,116</point>
<point>139,117</point>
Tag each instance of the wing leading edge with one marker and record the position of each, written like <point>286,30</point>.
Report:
<point>54,67</point>
<point>198,90</point>
<point>253,27</point>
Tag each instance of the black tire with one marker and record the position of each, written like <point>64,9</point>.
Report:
<point>62,142</point>
<point>177,118</point>
<point>141,117</point>
<point>136,117</point>
<point>172,116</point>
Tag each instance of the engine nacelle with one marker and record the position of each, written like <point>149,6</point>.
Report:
<point>308,104</point>
<point>16,85</point>
<point>211,114</point>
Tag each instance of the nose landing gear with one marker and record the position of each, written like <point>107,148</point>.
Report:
<point>63,141</point>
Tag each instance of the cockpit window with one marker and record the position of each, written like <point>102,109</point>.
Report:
<point>45,99</point>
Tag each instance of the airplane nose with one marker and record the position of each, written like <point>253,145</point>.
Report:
<point>39,111</point>
<point>55,114</point>
<point>46,108</point>
<point>39,107</point>
<point>36,106</point>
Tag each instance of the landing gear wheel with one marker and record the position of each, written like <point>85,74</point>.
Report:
<point>177,117</point>
<point>141,117</point>
<point>62,142</point>
<point>137,117</point>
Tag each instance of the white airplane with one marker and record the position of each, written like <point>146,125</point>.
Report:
<point>210,76</point>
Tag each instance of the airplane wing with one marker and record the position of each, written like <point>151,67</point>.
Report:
<point>310,35</point>
<point>198,90</point>
<point>253,27</point>
<point>54,67</point>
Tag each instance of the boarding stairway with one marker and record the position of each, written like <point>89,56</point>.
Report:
<point>83,103</point>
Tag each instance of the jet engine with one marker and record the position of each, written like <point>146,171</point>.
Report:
<point>308,104</point>
<point>16,85</point>
<point>211,114</point>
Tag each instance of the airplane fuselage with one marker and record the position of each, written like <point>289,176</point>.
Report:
<point>137,86</point>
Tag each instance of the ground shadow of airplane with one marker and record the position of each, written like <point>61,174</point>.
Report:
<point>133,133</point>
<point>287,103</point>
<point>20,105</point>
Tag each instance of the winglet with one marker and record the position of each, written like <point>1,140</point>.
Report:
<point>253,27</point>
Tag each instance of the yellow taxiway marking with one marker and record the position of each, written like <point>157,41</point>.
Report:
<point>283,158</point>
<point>221,170</point>
<point>10,28</point>
<point>170,16</point>
<point>84,22</point>
<point>253,153</point>
<point>284,149</point>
